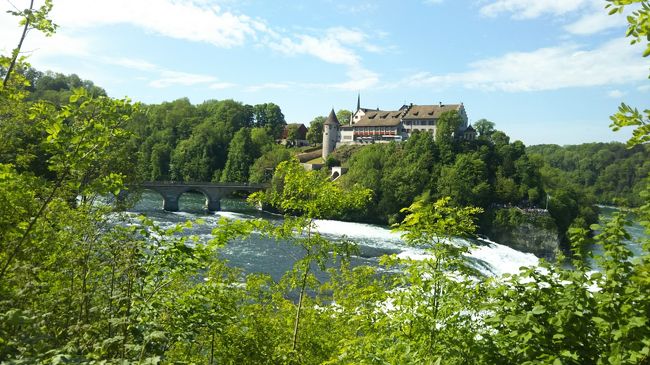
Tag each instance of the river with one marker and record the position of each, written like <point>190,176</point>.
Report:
<point>635,230</point>
<point>261,254</point>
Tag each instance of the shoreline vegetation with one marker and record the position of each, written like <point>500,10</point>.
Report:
<point>76,289</point>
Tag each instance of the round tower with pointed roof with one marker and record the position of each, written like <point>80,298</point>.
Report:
<point>330,134</point>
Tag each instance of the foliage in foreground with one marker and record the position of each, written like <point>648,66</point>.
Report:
<point>77,288</point>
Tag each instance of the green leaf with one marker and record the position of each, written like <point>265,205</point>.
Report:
<point>538,309</point>
<point>638,321</point>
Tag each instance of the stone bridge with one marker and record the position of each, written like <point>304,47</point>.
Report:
<point>213,192</point>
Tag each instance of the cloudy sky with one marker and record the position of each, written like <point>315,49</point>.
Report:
<point>545,71</point>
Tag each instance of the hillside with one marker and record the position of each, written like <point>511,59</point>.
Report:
<point>612,173</point>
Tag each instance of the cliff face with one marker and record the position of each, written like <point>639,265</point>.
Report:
<point>528,231</point>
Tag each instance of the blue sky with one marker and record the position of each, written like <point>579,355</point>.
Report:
<point>545,71</point>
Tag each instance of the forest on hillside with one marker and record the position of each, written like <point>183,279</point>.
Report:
<point>612,173</point>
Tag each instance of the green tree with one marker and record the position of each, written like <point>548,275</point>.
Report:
<point>270,117</point>
<point>57,87</point>
<point>344,115</point>
<point>332,162</point>
<point>191,159</point>
<point>262,169</point>
<point>465,181</point>
<point>292,132</point>
<point>239,157</point>
<point>262,142</point>
<point>499,139</point>
<point>446,126</point>
<point>506,190</point>
<point>484,128</point>
<point>160,159</point>
<point>315,131</point>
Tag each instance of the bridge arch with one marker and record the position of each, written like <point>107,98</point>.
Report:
<point>172,197</point>
<point>197,190</point>
<point>213,192</point>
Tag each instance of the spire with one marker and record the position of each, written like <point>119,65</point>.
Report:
<point>331,119</point>
<point>358,101</point>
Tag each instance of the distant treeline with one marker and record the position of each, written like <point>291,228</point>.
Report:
<point>610,172</point>
<point>212,141</point>
<point>217,140</point>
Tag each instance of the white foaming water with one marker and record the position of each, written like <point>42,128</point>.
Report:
<point>374,241</point>
<point>503,259</point>
<point>233,215</point>
<point>490,258</point>
<point>356,230</point>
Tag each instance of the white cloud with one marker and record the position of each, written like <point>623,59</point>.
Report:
<point>171,78</point>
<point>643,88</point>
<point>339,46</point>
<point>359,79</point>
<point>612,63</point>
<point>595,22</point>
<point>527,9</point>
<point>266,86</point>
<point>36,45</point>
<point>591,15</point>
<point>191,20</point>
<point>346,35</point>
<point>328,49</point>
<point>360,8</point>
<point>221,85</point>
<point>596,19</point>
<point>165,77</point>
<point>615,94</point>
<point>182,19</point>
<point>135,64</point>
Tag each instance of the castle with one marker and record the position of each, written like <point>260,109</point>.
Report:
<point>371,126</point>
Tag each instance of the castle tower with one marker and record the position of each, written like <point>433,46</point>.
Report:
<point>330,134</point>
